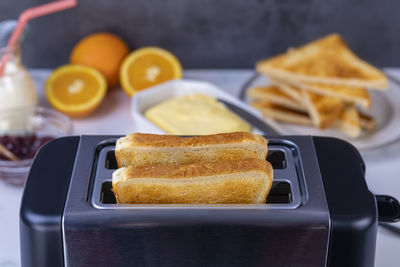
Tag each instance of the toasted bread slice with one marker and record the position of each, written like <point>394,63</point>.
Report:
<point>323,110</point>
<point>349,121</point>
<point>356,95</point>
<point>145,149</point>
<point>274,95</point>
<point>246,181</point>
<point>291,91</point>
<point>282,114</point>
<point>327,60</point>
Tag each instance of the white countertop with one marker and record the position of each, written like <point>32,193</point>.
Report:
<point>113,117</point>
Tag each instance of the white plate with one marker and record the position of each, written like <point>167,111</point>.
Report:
<point>385,110</point>
<point>152,96</point>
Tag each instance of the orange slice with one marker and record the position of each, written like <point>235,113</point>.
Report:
<point>146,67</point>
<point>75,90</point>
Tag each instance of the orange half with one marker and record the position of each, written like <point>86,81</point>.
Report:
<point>75,90</point>
<point>147,67</point>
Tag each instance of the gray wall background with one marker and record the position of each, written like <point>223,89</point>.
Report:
<point>215,33</point>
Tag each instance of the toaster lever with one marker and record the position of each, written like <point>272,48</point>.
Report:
<point>388,208</point>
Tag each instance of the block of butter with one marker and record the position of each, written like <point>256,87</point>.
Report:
<point>195,114</point>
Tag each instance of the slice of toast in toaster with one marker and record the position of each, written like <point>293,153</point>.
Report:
<point>145,149</point>
<point>327,60</point>
<point>356,95</point>
<point>274,95</point>
<point>323,110</point>
<point>349,121</point>
<point>245,181</point>
<point>282,114</point>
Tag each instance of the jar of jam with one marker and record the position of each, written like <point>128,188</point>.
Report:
<point>36,127</point>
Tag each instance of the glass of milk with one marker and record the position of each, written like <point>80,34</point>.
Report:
<point>16,85</point>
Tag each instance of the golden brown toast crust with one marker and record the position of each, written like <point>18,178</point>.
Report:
<point>274,95</point>
<point>260,91</point>
<point>354,94</point>
<point>292,91</point>
<point>282,114</point>
<point>145,149</point>
<point>324,110</point>
<point>230,182</point>
<point>155,140</point>
<point>267,104</point>
<point>357,95</point>
<point>326,60</point>
<point>349,121</point>
<point>199,169</point>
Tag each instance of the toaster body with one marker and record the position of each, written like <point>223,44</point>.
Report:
<point>319,213</point>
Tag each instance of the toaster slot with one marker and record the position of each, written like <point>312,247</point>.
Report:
<point>280,193</point>
<point>277,159</point>
<point>111,162</point>
<point>106,194</point>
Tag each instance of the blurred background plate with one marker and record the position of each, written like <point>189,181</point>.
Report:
<point>385,110</point>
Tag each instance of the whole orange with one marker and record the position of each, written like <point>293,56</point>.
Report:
<point>102,51</point>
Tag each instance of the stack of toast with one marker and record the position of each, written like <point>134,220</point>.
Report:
<point>322,84</point>
<point>227,168</point>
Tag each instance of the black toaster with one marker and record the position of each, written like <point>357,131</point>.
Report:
<point>319,213</point>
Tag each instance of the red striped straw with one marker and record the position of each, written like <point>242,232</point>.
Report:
<point>29,14</point>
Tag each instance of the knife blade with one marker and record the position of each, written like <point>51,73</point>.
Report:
<point>247,116</point>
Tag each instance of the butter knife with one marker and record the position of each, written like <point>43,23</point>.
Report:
<point>250,118</point>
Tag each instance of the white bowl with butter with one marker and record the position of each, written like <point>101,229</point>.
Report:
<point>187,107</point>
